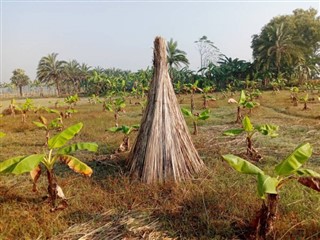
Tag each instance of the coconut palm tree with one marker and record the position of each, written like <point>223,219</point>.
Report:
<point>19,79</point>
<point>276,47</point>
<point>73,74</point>
<point>51,71</point>
<point>175,56</point>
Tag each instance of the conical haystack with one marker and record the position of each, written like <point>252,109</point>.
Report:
<point>163,149</point>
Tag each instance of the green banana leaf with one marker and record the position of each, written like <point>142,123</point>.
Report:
<point>18,165</point>
<point>295,160</point>
<point>233,132</point>
<point>62,138</point>
<point>39,124</point>
<point>92,147</point>
<point>246,123</point>
<point>204,115</point>
<point>241,165</point>
<point>243,98</point>
<point>268,130</point>
<point>186,112</point>
<point>303,172</point>
<point>266,184</point>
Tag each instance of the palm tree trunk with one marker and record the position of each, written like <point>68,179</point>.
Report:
<point>58,86</point>
<point>20,90</point>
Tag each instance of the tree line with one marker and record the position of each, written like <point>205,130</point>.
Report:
<point>285,52</point>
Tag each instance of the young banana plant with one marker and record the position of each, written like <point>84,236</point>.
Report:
<point>57,151</point>
<point>192,88</point>
<point>265,129</point>
<point>55,124</point>
<point>305,100</point>
<point>206,97</point>
<point>196,117</point>
<point>94,99</point>
<point>269,186</point>
<point>72,102</point>
<point>126,130</point>
<point>294,95</point>
<point>116,106</point>
<point>25,108</point>
<point>243,102</point>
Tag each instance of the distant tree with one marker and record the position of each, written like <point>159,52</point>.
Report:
<point>51,71</point>
<point>85,74</point>
<point>175,56</point>
<point>207,50</point>
<point>276,47</point>
<point>19,79</point>
<point>288,45</point>
<point>73,75</point>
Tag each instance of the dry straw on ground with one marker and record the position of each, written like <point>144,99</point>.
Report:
<point>113,226</point>
<point>163,149</point>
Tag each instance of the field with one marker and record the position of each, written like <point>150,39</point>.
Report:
<point>217,204</point>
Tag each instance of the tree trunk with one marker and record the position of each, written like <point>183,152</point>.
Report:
<point>24,116</point>
<point>47,137</point>
<point>195,127</point>
<point>192,101</point>
<point>116,117</point>
<point>268,214</point>
<point>305,107</point>
<point>239,116</point>
<point>52,188</point>
<point>163,150</point>
<point>20,91</point>
<point>205,102</point>
<point>251,152</point>
<point>58,87</point>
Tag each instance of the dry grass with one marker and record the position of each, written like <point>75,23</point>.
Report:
<point>217,204</point>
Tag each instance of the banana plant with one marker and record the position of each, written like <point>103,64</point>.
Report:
<point>196,117</point>
<point>126,130</point>
<point>243,102</point>
<point>192,88</point>
<point>265,129</point>
<point>294,95</point>
<point>72,101</point>
<point>57,151</point>
<point>25,108</point>
<point>305,100</point>
<point>116,106</point>
<point>269,186</point>
<point>55,124</point>
<point>206,97</point>
<point>94,99</point>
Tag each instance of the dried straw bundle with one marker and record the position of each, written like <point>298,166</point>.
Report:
<point>163,149</point>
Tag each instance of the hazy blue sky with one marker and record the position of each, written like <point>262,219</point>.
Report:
<point>120,34</point>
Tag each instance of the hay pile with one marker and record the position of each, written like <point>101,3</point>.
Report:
<point>163,149</point>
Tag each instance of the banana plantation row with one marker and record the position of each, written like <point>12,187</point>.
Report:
<point>56,148</point>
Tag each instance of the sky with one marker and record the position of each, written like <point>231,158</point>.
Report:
<point>120,34</point>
